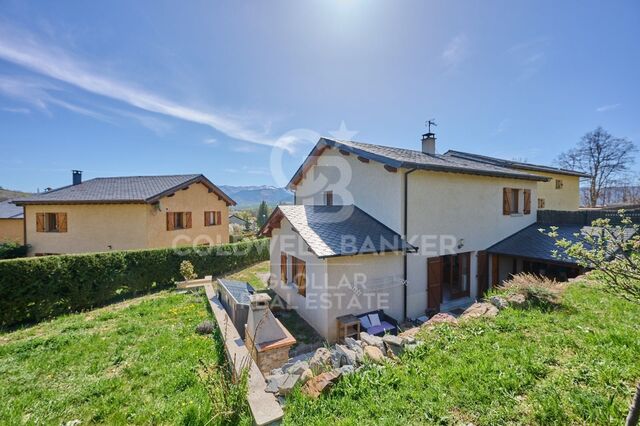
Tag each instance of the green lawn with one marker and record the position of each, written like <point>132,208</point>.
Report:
<point>575,365</point>
<point>252,275</point>
<point>132,362</point>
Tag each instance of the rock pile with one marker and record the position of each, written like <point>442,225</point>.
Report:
<point>326,366</point>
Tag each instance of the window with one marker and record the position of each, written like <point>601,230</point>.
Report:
<point>328,198</point>
<point>283,268</point>
<point>51,222</point>
<point>510,198</point>
<point>559,184</point>
<point>456,274</point>
<point>300,275</point>
<point>541,203</point>
<point>212,218</point>
<point>178,220</point>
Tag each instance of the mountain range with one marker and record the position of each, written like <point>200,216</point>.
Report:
<point>252,196</point>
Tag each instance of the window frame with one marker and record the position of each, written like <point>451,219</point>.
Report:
<point>214,215</point>
<point>180,215</point>
<point>328,198</point>
<point>299,278</point>
<point>47,222</point>
<point>559,184</point>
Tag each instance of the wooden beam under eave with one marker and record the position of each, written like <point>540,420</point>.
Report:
<point>390,169</point>
<point>344,152</point>
<point>362,159</point>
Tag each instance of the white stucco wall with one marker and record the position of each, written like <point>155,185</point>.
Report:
<point>377,280</point>
<point>445,208</point>
<point>366,185</point>
<point>286,240</point>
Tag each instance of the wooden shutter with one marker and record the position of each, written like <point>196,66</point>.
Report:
<point>187,220</point>
<point>283,268</point>
<point>61,219</point>
<point>170,221</point>
<point>302,278</point>
<point>218,218</point>
<point>506,201</point>
<point>434,283</point>
<point>206,223</point>
<point>39,222</point>
<point>527,201</point>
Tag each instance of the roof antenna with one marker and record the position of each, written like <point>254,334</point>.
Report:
<point>430,123</point>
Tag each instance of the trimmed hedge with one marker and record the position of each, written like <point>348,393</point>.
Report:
<point>36,288</point>
<point>11,250</point>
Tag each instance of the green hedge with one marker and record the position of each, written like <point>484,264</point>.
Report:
<point>11,250</point>
<point>36,288</point>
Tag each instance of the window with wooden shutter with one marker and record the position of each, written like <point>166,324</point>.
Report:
<point>559,184</point>
<point>170,221</point>
<point>300,275</point>
<point>527,201</point>
<point>212,218</point>
<point>328,198</point>
<point>61,220</point>
<point>218,218</point>
<point>283,268</point>
<point>39,222</point>
<point>506,201</point>
<point>541,203</point>
<point>187,220</point>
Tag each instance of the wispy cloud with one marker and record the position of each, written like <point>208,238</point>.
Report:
<point>17,110</point>
<point>210,141</point>
<point>24,50</point>
<point>455,51</point>
<point>529,56</point>
<point>605,108</point>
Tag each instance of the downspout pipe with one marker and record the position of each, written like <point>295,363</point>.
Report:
<point>404,236</point>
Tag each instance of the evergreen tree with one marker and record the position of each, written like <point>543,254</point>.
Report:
<point>263,214</point>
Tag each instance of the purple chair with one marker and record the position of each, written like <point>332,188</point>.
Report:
<point>377,323</point>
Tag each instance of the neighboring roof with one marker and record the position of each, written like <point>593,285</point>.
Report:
<point>410,159</point>
<point>337,230</point>
<point>514,164</point>
<point>239,218</point>
<point>239,290</point>
<point>125,189</point>
<point>534,244</point>
<point>8,210</point>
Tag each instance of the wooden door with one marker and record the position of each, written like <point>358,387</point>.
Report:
<point>483,273</point>
<point>434,283</point>
<point>495,270</point>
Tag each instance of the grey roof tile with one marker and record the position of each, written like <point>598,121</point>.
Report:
<point>341,230</point>
<point>513,164</point>
<point>239,290</point>
<point>408,158</point>
<point>8,210</point>
<point>124,189</point>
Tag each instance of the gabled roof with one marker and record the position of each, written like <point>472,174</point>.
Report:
<point>8,210</point>
<point>331,231</point>
<point>410,159</point>
<point>125,189</point>
<point>514,164</point>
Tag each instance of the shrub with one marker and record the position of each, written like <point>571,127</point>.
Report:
<point>35,288</point>
<point>187,271</point>
<point>12,250</point>
<point>537,290</point>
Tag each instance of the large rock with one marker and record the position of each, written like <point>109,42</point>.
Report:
<point>368,339</point>
<point>352,344</point>
<point>374,354</point>
<point>306,376</point>
<point>410,333</point>
<point>345,355</point>
<point>499,302</point>
<point>440,318</point>
<point>394,344</point>
<point>517,299</point>
<point>480,310</point>
<point>288,384</point>
<point>321,383</point>
<point>298,368</point>
<point>274,382</point>
<point>321,361</point>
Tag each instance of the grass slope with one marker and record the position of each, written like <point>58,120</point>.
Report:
<point>252,275</point>
<point>575,365</point>
<point>132,362</point>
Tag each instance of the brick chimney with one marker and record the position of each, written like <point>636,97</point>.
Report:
<point>429,143</point>
<point>76,176</point>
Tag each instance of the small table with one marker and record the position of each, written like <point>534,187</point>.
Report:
<point>348,326</point>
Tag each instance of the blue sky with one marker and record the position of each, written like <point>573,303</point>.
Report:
<point>135,88</point>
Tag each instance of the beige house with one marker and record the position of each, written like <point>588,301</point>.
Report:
<point>11,223</point>
<point>408,232</point>
<point>560,192</point>
<point>123,213</point>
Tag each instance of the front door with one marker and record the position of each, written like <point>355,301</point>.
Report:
<point>434,283</point>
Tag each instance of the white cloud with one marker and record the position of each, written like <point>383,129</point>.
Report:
<point>210,141</point>
<point>605,108</point>
<point>22,49</point>
<point>17,110</point>
<point>455,51</point>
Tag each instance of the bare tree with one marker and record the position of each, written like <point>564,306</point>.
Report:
<point>602,156</point>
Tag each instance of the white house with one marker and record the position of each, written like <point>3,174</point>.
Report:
<point>406,231</point>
